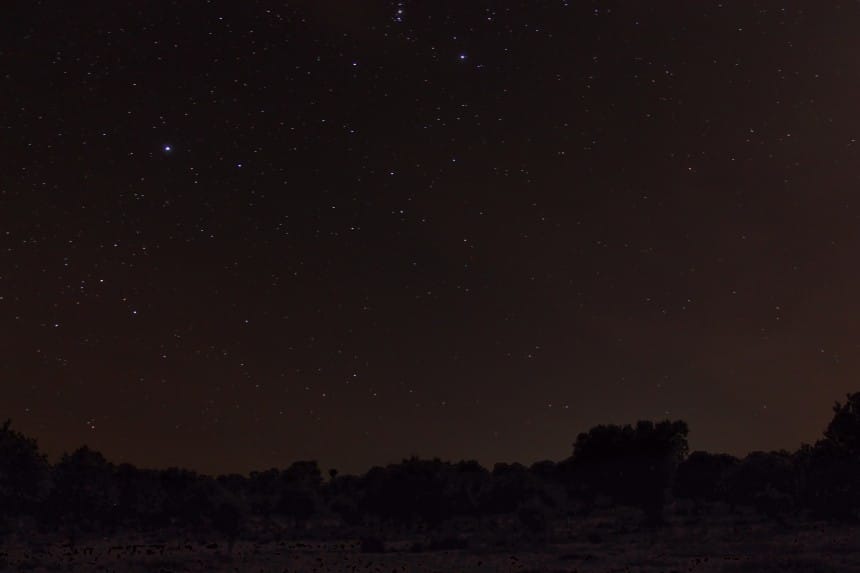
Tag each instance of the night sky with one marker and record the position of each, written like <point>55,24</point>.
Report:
<point>238,234</point>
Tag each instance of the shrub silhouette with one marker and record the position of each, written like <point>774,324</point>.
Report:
<point>414,489</point>
<point>304,473</point>
<point>511,485</point>
<point>262,491</point>
<point>766,481</point>
<point>701,477</point>
<point>631,465</point>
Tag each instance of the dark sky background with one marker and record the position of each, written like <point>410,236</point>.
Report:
<point>238,234</point>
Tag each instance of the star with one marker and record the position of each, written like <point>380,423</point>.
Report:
<point>167,148</point>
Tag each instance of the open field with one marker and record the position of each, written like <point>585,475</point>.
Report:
<point>741,544</point>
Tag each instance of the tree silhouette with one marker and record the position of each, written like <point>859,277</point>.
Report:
<point>843,431</point>
<point>141,497</point>
<point>344,495</point>
<point>24,477</point>
<point>631,465</point>
<point>413,489</point>
<point>24,472</point>
<point>262,490</point>
<point>305,473</point>
<point>85,495</point>
<point>299,495</point>
<point>511,485</point>
<point>830,482</point>
<point>466,482</point>
<point>831,469</point>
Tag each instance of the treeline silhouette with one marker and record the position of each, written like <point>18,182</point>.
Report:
<point>645,466</point>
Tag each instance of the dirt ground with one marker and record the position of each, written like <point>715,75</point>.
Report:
<point>686,545</point>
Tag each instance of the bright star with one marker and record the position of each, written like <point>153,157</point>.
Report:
<point>167,148</point>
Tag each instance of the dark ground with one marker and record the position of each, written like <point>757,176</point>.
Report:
<point>612,541</point>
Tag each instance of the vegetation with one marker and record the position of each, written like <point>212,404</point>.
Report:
<point>645,466</point>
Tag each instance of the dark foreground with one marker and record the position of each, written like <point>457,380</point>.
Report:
<point>609,543</point>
